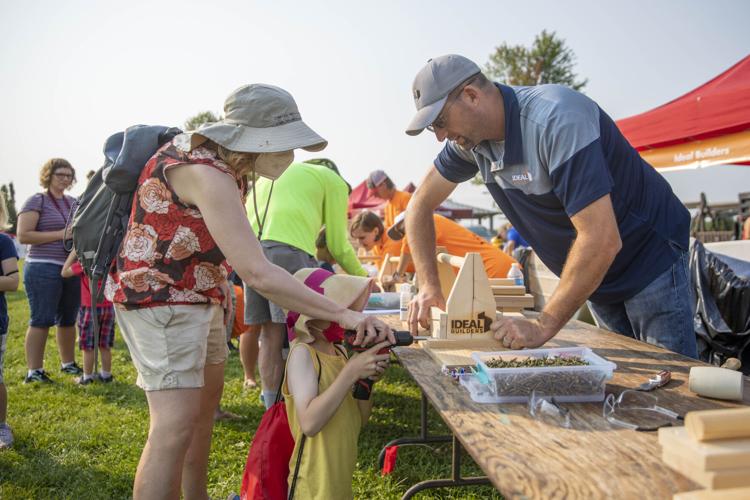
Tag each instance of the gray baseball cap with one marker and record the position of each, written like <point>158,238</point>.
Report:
<point>259,118</point>
<point>432,85</point>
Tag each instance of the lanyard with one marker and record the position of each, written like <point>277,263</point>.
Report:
<point>57,206</point>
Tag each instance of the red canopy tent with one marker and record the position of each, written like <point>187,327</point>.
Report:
<point>362,198</point>
<point>707,126</point>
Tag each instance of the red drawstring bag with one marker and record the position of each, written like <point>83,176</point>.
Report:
<point>267,466</point>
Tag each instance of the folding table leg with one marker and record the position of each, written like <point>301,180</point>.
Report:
<point>456,479</point>
<point>423,438</point>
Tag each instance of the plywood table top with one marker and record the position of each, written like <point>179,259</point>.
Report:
<point>525,458</point>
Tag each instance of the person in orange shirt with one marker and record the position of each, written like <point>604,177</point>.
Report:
<point>382,186</point>
<point>369,231</point>
<point>457,240</point>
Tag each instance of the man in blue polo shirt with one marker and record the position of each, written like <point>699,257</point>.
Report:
<point>597,215</point>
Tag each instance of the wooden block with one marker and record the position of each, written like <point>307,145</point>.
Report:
<point>505,313</point>
<point>508,290</point>
<point>502,282</point>
<point>727,494</point>
<point>726,478</point>
<point>710,455</point>
<point>439,323</point>
<point>512,310</point>
<point>456,353</point>
<point>451,260</point>
<point>386,268</point>
<point>708,425</point>
<point>511,301</point>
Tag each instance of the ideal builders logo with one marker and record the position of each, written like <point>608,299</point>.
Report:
<point>468,326</point>
<point>700,154</point>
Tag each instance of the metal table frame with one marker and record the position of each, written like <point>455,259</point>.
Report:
<point>424,438</point>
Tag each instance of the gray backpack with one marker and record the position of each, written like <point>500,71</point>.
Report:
<point>103,211</point>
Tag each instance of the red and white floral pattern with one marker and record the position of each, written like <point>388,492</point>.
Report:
<point>185,296</point>
<point>208,276</point>
<point>154,196</point>
<point>184,244</point>
<point>110,288</point>
<point>168,256</point>
<point>140,243</point>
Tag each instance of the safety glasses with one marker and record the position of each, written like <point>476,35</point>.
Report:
<point>638,411</point>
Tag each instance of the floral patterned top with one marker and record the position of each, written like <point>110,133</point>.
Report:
<point>167,255</point>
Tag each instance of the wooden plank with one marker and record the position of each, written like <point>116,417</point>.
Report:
<point>527,458</point>
<point>508,290</point>
<point>726,494</point>
<point>369,258</point>
<point>710,455</point>
<point>719,424</point>
<point>457,353</point>
<point>509,313</point>
<point>726,478</point>
<point>502,282</point>
<point>503,301</point>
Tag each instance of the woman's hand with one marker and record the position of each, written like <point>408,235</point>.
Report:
<point>369,329</point>
<point>226,302</point>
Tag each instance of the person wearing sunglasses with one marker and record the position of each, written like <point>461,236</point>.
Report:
<point>593,210</point>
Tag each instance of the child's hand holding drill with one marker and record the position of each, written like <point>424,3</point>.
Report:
<point>376,360</point>
<point>369,363</point>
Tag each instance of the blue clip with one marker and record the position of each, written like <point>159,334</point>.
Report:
<point>481,375</point>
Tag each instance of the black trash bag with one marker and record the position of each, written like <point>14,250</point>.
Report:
<point>722,309</point>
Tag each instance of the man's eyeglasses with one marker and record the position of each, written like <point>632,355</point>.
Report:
<point>440,120</point>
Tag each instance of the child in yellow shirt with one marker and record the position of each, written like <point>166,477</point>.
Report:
<point>318,392</point>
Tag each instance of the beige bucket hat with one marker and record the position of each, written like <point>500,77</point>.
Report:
<point>258,118</point>
<point>344,289</point>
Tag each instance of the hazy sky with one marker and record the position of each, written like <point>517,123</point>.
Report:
<point>73,72</point>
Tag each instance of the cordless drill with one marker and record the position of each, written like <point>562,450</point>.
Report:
<point>363,387</point>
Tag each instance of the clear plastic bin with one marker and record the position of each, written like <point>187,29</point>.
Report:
<point>515,385</point>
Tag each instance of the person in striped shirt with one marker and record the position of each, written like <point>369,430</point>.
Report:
<point>53,300</point>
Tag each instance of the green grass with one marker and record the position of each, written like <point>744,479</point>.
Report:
<point>84,442</point>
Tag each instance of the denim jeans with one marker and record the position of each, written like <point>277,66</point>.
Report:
<point>660,314</point>
<point>53,300</point>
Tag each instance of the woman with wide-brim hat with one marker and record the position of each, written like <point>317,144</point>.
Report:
<point>168,285</point>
